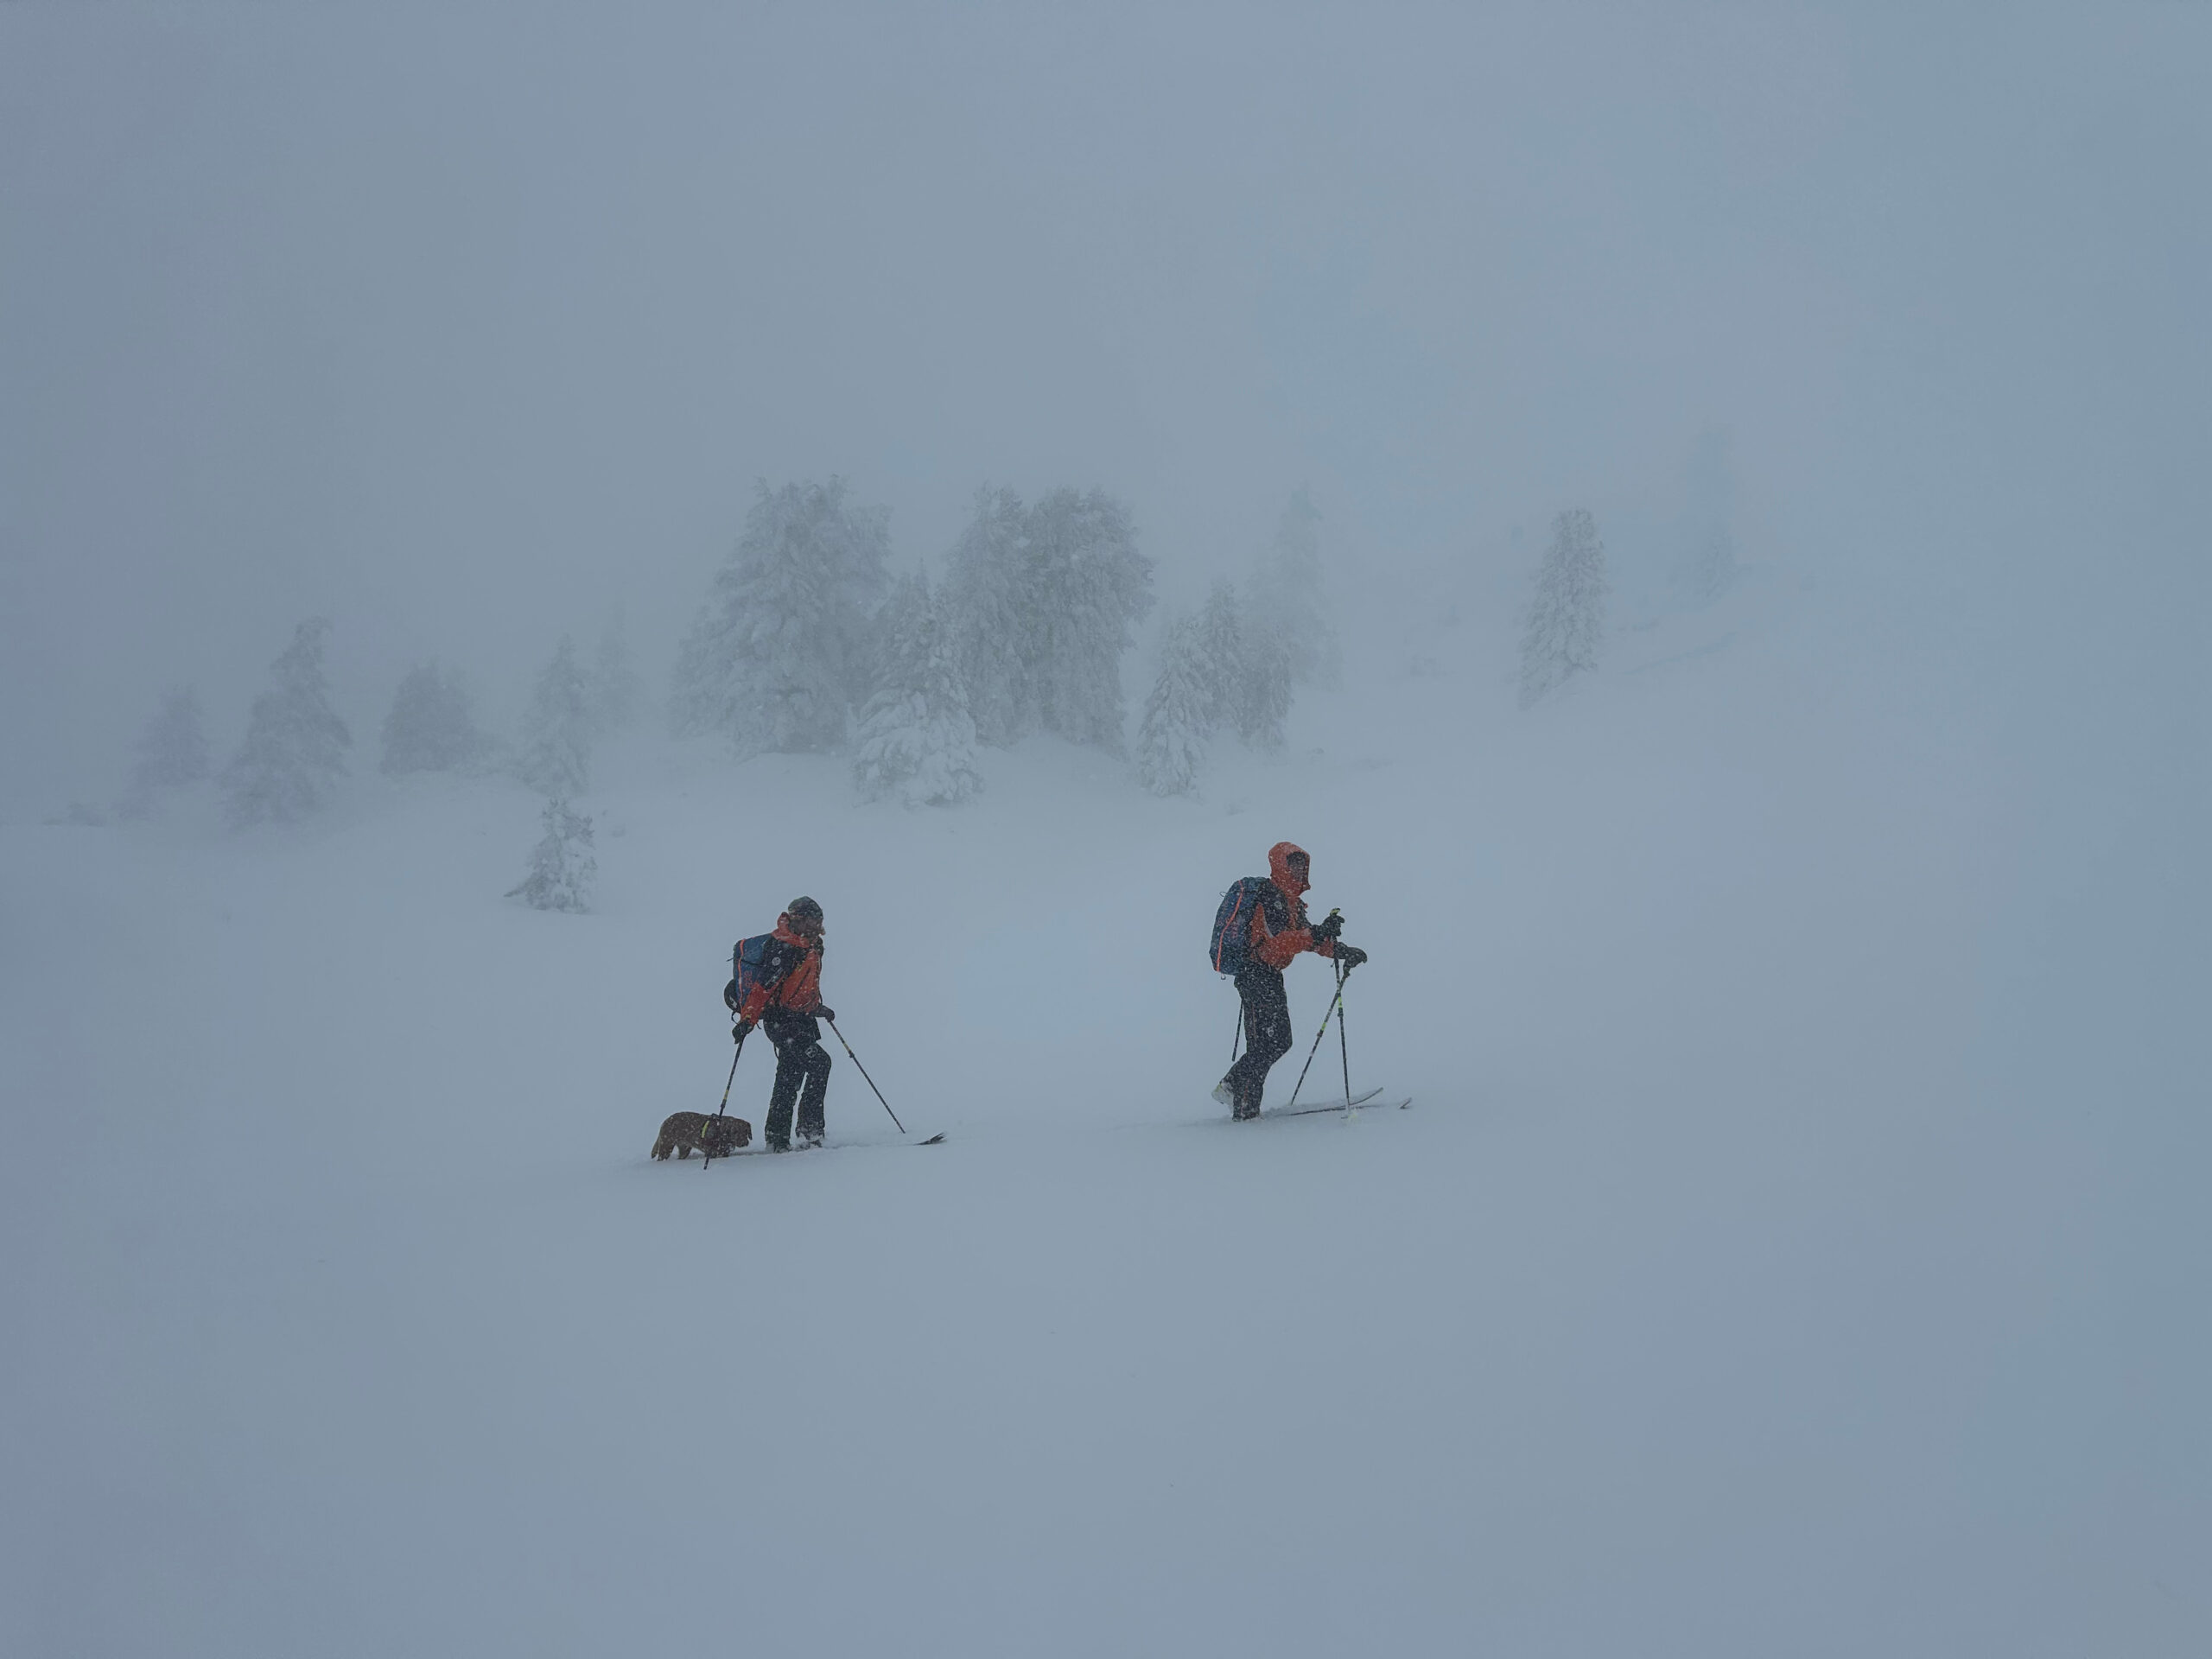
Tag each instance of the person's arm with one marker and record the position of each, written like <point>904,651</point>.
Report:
<point>1275,950</point>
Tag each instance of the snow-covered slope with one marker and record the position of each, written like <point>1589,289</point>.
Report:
<point>1712,1298</point>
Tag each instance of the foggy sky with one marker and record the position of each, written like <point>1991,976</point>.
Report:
<point>462,324</point>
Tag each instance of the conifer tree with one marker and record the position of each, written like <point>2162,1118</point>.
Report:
<point>1220,653</point>
<point>1178,716</point>
<point>561,866</point>
<point>1091,585</point>
<point>555,754</point>
<point>988,601</point>
<point>917,740</point>
<point>295,749</point>
<point>432,726</point>
<point>1246,659</point>
<point>172,752</point>
<point>778,655</point>
<point>1261,703</point>
<point>1566,619</point>
<point>1044,598</point>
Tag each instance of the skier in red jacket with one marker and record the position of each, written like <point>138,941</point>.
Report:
<point>1279,932</point>
<point>786,1003</point>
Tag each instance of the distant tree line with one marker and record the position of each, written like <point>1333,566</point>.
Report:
<point>805,644</point>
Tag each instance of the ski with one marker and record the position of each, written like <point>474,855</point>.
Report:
<point>936,1140</point>
<point>1342,1106</point>
<point>1324,1106</point>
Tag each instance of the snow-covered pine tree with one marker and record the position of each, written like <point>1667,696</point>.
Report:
<point>1091,585</point>
<point>1566,617</point>
<point>1284,595</point>
<point>295,748</point>
<point>172,752</point>
<point>916,739</point>
<point>555,759</point>
<point>1041,600</point>
<point>1220,649</point>
<point>988,603</point>
<point>432,726</point>
<point>616,687</point>
<point>776,657</point>
<point>561,866</point>
<point>1247,661</point>
<point>1178,716</point>
<point>1260,704</point>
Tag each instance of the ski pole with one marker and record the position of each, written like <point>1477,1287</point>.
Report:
<point>705,1144</point>
<point>1342,1047</point>
<point>855,1060</point>
<point>1236,1035</point>
<point>1336,1002</point>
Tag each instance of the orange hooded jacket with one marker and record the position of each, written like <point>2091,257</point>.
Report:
<point>1275,950</point>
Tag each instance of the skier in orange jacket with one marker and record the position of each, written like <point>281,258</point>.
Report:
<point>786,1002</point>
<point>1277,932</point>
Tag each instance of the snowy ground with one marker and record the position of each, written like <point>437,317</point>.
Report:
<point>1732,1288</point>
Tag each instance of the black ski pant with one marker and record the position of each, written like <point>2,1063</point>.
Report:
<point>1266,1035</point>
<point>802,1077</point>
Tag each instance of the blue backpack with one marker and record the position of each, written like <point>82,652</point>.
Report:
<point>1232,922</point>
<point>748,969</point>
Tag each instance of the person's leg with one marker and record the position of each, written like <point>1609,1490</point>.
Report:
<point>1266,1038</point>
<point>790,1071</point>
<point>815,1060</point>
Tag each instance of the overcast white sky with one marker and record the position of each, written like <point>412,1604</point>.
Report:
<point>461,323</point>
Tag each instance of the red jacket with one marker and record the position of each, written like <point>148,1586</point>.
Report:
<point>798,987</point>
<point>1275,950</point>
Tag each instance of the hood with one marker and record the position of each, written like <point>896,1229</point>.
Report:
<point>1279,870</point>
<point>783,932</point>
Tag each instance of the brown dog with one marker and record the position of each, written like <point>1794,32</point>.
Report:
<point>685,1132</point>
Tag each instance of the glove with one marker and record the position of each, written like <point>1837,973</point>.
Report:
<point>738,1031</point>
<point>1330,926</point>
<point>1351,956</point>
<point>825,1012</point>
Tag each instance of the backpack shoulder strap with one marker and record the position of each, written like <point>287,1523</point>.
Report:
<point>1270,899</point>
